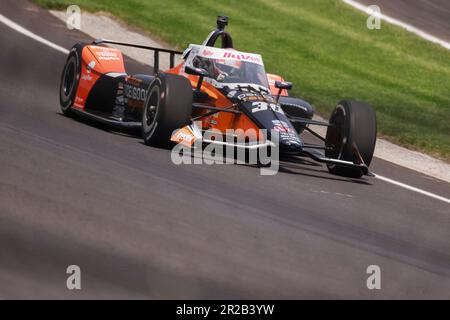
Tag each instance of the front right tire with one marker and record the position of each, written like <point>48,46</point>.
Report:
<point>353,124</point>
<point>69,82</point>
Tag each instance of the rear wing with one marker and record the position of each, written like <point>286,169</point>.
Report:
<point>154,49</point>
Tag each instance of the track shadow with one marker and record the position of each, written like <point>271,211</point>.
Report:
<point>41,256</point>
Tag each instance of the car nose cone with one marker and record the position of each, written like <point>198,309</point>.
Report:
<point>291,147</point>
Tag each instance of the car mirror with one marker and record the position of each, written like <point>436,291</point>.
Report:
<point>283,85</point>
<point>196,71</point>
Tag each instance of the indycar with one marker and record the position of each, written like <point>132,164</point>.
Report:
<point>213,87</point>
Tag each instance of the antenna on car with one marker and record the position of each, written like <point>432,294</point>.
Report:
<point>222,22</point>
<point>227,42</point>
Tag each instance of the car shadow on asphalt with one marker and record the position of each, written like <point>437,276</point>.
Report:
<point>301,166</point>
<point>304,167</point>
<point>104,127</point>
<point>320,174</point>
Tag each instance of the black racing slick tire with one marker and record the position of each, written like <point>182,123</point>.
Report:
<point>168,107</point>
<point>70,79</point>
<point>353,128</point>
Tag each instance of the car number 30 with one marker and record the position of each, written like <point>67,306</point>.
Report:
<point>262,106</point>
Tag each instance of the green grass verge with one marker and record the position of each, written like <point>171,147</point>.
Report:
<point>324,47</point>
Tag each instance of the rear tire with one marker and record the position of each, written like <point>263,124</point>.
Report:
<point>168,107</point>
<point>69,83</point>
<point>353,123</point>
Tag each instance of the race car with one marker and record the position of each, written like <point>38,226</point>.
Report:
<point>213,88</point>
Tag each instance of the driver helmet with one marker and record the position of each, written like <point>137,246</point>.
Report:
<point>225,67</point>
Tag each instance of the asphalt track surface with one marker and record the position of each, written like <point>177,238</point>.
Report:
<point>72,193</point>
<point>431,16</point>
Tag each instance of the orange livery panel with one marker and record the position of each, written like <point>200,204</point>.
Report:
<point>96,60</point>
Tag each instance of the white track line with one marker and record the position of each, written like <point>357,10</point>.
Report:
<point>399,23</point>
<point>30,34</point>
<point>411,188</point>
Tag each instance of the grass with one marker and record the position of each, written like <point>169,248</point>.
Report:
<point>324,47</point>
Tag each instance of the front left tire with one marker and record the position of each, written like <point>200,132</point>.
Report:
<point>168,107</point>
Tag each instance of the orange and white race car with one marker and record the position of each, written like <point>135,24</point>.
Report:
<point>219,89</point>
